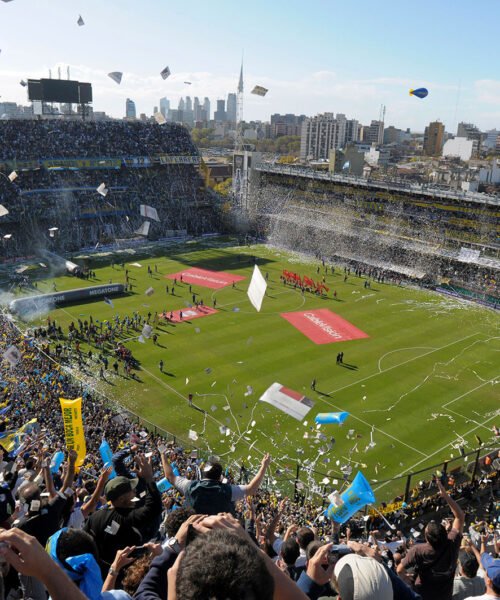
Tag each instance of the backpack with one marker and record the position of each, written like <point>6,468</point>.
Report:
<point>208,497</point>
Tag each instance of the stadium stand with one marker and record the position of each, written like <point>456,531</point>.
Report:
<point>60,164</point>
<point>418,236</point>
<point>280,547</point>
<point>158,520</point>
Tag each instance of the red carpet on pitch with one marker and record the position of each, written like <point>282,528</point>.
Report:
<point>322,326</point>
<point>188,314</point>
<point>210,279</point>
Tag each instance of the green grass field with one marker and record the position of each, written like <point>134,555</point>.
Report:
<point>424,379</point>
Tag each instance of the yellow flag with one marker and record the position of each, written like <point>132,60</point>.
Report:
<point>73,428</point>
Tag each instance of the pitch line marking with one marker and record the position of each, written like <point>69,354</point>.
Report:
<point>379,430</point>
<point>444,406</point>
<point>436,452</point>
<point>400,350</point>
<point>467,419</point>
<point>344,387</point>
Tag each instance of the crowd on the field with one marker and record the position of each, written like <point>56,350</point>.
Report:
<point>44,139</point>
<point>163,520</point>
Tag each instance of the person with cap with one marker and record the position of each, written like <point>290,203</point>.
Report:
<point>210,496</point>
<point>122,524</point>
<point>435,560</point>
<point>491,567</point>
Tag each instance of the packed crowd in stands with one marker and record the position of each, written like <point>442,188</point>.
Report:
<point>163,521</point>
<point>41,199</point>
<point>35,140</point>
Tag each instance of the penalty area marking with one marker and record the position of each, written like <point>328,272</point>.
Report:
<point>401,350</point>
<point>344,387</point>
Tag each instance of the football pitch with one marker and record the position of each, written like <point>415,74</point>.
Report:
<point>422,383</point>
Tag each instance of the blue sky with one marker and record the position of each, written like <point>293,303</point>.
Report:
<point>315,56</point>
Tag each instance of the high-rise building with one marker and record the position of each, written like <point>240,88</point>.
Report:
<point>188,112</point>
<point>220,113</point>
<point>492,140</point>
<point>231,108</point>
<point>130,111</point>
<point>164,106</point>
<point>469,131</point>
<point>181,105</point>
<point>433,139</point>
<point>374,133</point>
<point>288,124</point>
<point>197,109</point>
<point>206,107</point>
<point>325,132</point>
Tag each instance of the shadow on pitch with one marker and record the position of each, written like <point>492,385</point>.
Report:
<point>348,366</point>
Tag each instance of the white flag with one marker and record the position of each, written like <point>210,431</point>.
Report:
<point>149,212</point>
<point>192,435</point>
<point>147,330</point>
<point>13,355</point>
<point>144,229</point>
<point>116,76</point>
<point>258,90</point>
<point>159,118</point>
<point>12,176</point>
<point>3,211</point>
<point>149,292</point>
<point>165,73</point>
<point>257,289</point>
<point>103,190</point>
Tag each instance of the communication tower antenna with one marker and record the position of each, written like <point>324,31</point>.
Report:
<point>239,167</point>
<point>239,112</point>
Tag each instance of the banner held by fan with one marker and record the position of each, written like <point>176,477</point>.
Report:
<point>73,428</point>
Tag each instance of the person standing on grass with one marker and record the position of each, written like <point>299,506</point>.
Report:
<point>313,385</point>
<point>160,365</point>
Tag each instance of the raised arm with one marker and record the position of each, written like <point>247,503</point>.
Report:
<point>252,488</point>
<point>458,513</point>
<point>167,468</point>
<point>69,476</point>
<point>90,506</point>
<point>49,482</point>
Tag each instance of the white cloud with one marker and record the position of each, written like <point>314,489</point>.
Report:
<point>488,91</point>
<point>310,94</point>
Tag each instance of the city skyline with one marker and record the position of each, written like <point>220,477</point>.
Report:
<point>309,66</point>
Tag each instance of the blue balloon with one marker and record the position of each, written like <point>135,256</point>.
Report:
<point>56,461</point>
<point>335,417</point>
<point>107,456</point>
<point>163,485</point>
<point>419,92</point>
<point>358,495</point>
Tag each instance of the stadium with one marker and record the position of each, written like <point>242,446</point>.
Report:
<point>308,367</point>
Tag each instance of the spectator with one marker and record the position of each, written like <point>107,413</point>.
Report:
<point>123,525</point>
<point>468,583</point>
<point>435,561</point>
<point>210,495</point>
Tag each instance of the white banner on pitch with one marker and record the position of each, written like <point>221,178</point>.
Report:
<point>257,289</point>
<point>289,401</point>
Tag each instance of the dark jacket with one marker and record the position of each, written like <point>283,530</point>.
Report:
<point>131,526</point>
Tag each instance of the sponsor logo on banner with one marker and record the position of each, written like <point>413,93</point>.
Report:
<point>211,279</point>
